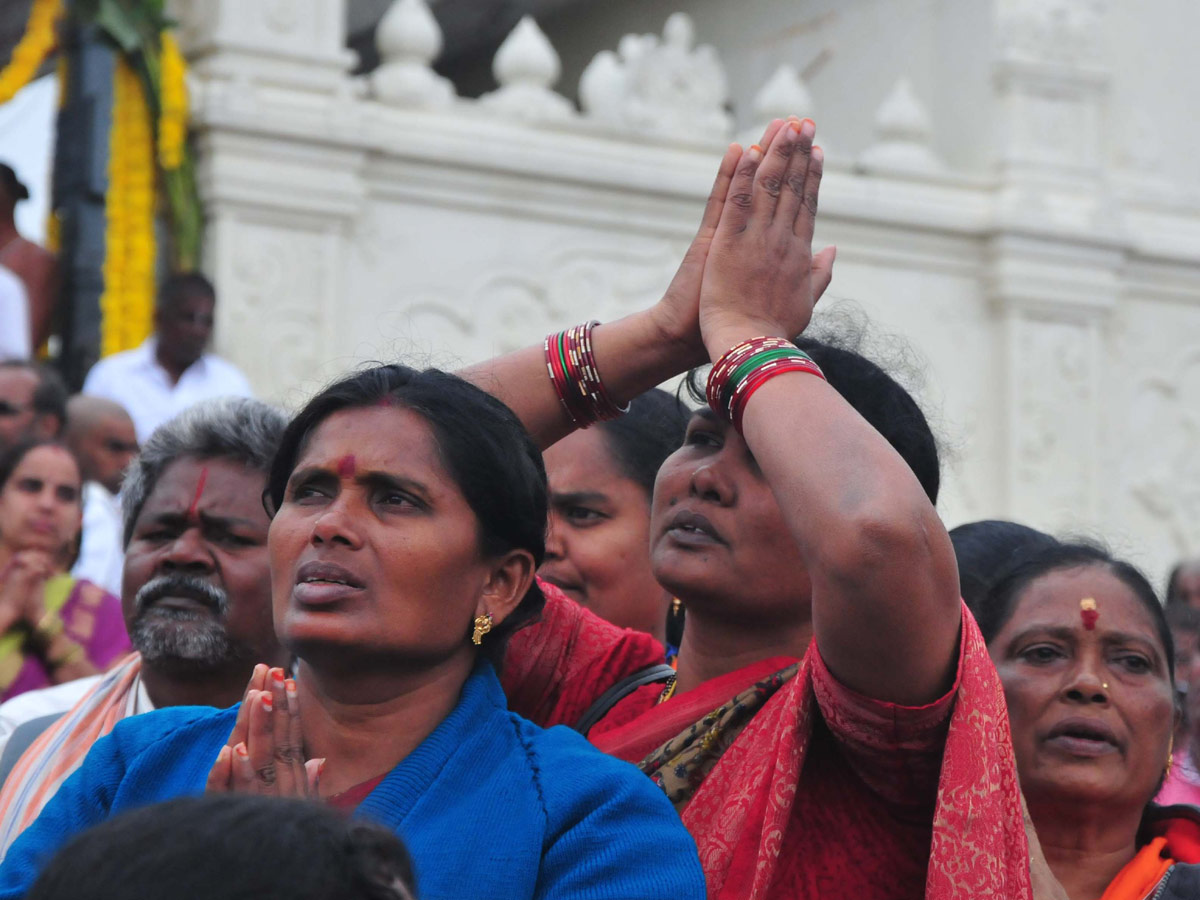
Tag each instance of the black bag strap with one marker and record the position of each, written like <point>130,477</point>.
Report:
<point>619,691</point>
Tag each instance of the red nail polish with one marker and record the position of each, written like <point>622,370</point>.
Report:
<point>267,702</point>
<point>241,750</point>
<point>277,674</point>
<point>321,768</point>
<point>291,686</point>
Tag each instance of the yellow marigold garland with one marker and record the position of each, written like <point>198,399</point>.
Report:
<point>37,42</point>
<point>127,304</point>
<point>173,100</point>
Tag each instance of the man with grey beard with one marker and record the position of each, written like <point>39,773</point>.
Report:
<point>196,593</point>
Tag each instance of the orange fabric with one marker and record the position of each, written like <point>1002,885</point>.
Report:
<point>59,750</point>
<point>1141,874</point>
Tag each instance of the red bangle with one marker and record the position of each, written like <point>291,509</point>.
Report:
<point>576,378</point>
<point>760,377</point>
<point>718,378</point>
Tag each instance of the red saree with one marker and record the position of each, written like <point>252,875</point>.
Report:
<point>820,793</point>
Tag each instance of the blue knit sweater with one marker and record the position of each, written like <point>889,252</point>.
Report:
<point>490,805</point>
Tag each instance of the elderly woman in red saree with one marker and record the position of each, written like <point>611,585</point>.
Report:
<point>835,728</point>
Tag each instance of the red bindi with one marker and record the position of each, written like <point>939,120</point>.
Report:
<point>191,513</point>
<point>346,467</point>
<point>1089,613</point>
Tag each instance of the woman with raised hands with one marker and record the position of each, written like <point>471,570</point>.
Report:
<point>835,727</point>
<point>408,519</point>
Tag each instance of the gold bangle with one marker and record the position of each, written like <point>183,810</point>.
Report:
<point>73,654</point>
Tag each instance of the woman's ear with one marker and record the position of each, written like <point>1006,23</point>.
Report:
<point>506,586</point>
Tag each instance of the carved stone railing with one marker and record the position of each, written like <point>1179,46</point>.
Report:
<point>1054,300</point>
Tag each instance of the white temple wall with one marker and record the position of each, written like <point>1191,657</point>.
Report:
<point>1044,273</point>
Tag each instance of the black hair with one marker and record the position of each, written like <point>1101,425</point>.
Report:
<point>50,395</point>
<point>1173,597</point>
<point>12,456</point>
<point>985,550</point>
<point>641,439</point>
<point>183,284</point>
<point>878,398</point>
<point>1183,618</point>
<point>483,445</point>
<point>1002,599</point>
<point>233,846</point>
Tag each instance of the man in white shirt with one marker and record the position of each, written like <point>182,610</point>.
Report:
<point>14,316</point>
<point>197,598</point>
<point>170,371</point>
<point>101,435</point>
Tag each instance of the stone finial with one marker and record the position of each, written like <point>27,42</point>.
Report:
<point>663,86</point>
<point>409,40</point>
<point>784,94</point>
<point>526,67</point>
<point>904,135</point>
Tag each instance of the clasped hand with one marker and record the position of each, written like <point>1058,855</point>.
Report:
<point>21,587</point>
<point>750,268</point>
<point>265,750</point>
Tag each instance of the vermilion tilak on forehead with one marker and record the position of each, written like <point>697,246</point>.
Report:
<point>191,513</point>
<point>1088,612</point>
<point>346,467</point>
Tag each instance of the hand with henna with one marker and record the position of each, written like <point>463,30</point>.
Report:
<point>679,309</point>
<point>265,750</point>
<point>761,276</point>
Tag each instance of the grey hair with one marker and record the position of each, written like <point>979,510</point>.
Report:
<point>235,428</point>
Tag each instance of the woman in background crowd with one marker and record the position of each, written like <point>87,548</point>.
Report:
<point>53,628</point>
<point>409,518</point>
<point>1183,584</point>
<point>1182,784</point>
<point>601,481</point>
<point>1085,656</point>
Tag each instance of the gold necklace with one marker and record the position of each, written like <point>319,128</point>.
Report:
<point>669,691</point>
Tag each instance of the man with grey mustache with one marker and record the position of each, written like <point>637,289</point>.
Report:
<point>196,594</point>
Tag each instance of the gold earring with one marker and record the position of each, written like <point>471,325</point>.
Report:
<point>483,624</point>
<point>1104,684</point>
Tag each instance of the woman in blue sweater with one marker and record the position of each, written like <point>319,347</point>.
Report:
<point>409,519</point>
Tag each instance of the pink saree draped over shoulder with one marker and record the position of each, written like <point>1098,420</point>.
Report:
<point>792,785</point>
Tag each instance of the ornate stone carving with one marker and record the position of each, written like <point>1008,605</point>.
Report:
<point>281,15</point>
<point>526,67</point>
<point>409,40</point>
<point>904,135</point>
<point>509,307</point>
<point>1061,31</point>
<point>1167,479</point>
<point>664,86</point>
<point>278,275</point>
<point>1054,433</point>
